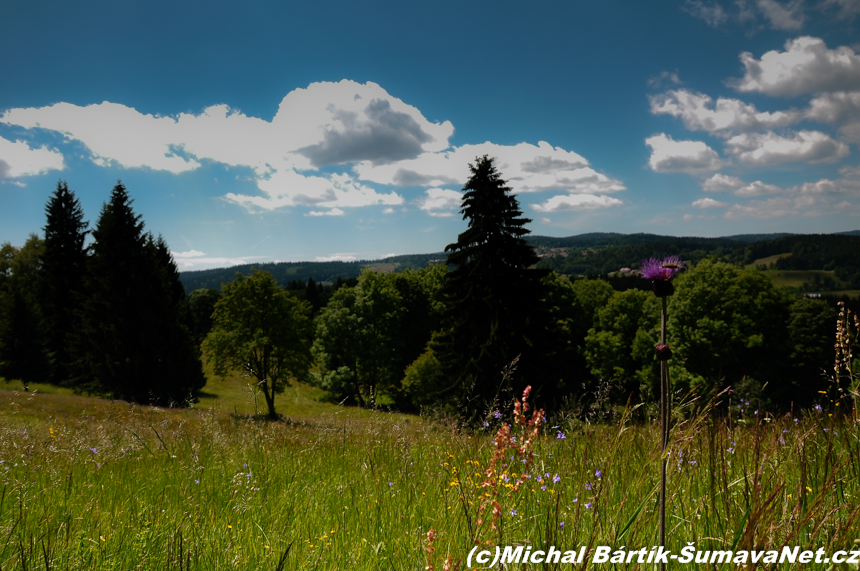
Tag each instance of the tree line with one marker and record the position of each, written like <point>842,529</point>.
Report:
<point>464,336</point>
<point>108,318</point>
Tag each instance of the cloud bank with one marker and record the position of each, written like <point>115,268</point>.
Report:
<point>329,147</point>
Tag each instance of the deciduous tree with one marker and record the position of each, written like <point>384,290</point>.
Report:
<point>262,330</point>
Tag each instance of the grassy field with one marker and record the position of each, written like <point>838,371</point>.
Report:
<point>767,261</point>
<point>94,484</point>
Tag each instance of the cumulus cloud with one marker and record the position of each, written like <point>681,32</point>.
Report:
<point>691,157</point>
<point>526,168</point>
<point>806,66</point>
<point>768,149</point>
<point>576,202</point>
<point>441,202</point>
<point>18,159</point>
<point>724,183</point>
<point>332,212</point>
<point>840,108</point>
<point>664,77</point>
<point>329,146</point>
<point>709,203</point>
<point>699,112</point>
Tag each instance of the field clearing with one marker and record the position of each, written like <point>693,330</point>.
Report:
<point>796,278</point>
<point>767,261</point>
<point>94,484</point>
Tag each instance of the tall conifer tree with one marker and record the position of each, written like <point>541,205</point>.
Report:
<point>134,341</point>
<point>63,269</point>
<point>494,299</point>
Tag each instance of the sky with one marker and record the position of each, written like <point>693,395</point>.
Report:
<point>300,131</point>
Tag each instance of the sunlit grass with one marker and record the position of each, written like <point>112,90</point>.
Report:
<point>89,483</point>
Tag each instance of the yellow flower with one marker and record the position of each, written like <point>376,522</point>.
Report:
<point>229,526</point>
<point>266,546</point>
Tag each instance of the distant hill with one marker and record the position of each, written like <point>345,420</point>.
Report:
<point>588,254</point>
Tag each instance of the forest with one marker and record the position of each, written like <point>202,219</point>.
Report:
<point>460,331</point>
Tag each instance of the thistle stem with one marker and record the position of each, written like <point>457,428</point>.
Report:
<point>664,429</point>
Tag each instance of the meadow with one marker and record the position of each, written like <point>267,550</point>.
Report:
<point>94,484</point>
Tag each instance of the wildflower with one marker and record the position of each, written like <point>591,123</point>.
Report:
<point>196,481</point>
<point>588,506</point>
<point>543,488</point>
<point>795,421</point>
<point>556,479</point>
<point>575,500</point>
<point>248,476</point>
<point>390,483</point>
<point>497,415</point>
<point>587,485</point>
<point>561,524</point>
<point>93,450</point>
<point>486,424</point>
<point>817,408</point>
<point>661,272</point>
<point>598,473</point>
<point>513,511</point>
<point>560,435</point>
<point>692,462</point>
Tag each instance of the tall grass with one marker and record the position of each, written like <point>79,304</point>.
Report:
<point>89,484</point>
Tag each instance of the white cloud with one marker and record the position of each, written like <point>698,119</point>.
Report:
<point>841,108</point>
<point>388,210</point>
<point>188,254</point>
<point>806,200</point>
<point>699,112</point>
<point>525,167</point>
<point>806,66</point>
<point>692,157</point>
<point>373,137</point>
<point>767,149</point>
<point>332,212</point>
<point>664,77</point>
<point>19,159</point>
<point>713,15</point>
<point>347,257</point>
<point>708,203</point>
<point>441,202</point>
<point>787,16</point>
<point>576,202</point>
<point>724,183</point>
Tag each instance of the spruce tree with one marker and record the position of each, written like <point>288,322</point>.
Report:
<point>134,341</point>
<point>63,269</point>
<point>494,299</point>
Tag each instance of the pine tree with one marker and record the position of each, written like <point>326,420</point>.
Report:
<point>494,299</point>
<point>134,341</point>
<point>63,270</point>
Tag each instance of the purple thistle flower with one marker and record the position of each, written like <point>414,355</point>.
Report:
<point>664,270</point>
<point>661,272</point>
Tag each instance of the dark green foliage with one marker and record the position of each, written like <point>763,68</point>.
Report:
<point>357,344</point>
<point>201,304</point>
<point>261,329</point>
<point>727,324</point>
<point>64,266</point>
<point>23,350</point>
<point>134,340</point>
<point>494,300</point>
<point>810,329</point>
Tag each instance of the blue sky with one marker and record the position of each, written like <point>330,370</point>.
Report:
<point>290,131</point>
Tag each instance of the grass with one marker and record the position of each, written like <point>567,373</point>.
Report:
<point>94,484</point>
<point>767,261</point>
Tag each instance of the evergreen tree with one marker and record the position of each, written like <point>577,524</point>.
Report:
<point>23,354</point>
<point>134,341</point>
<point>495,310</point>
<point>63,269</point>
